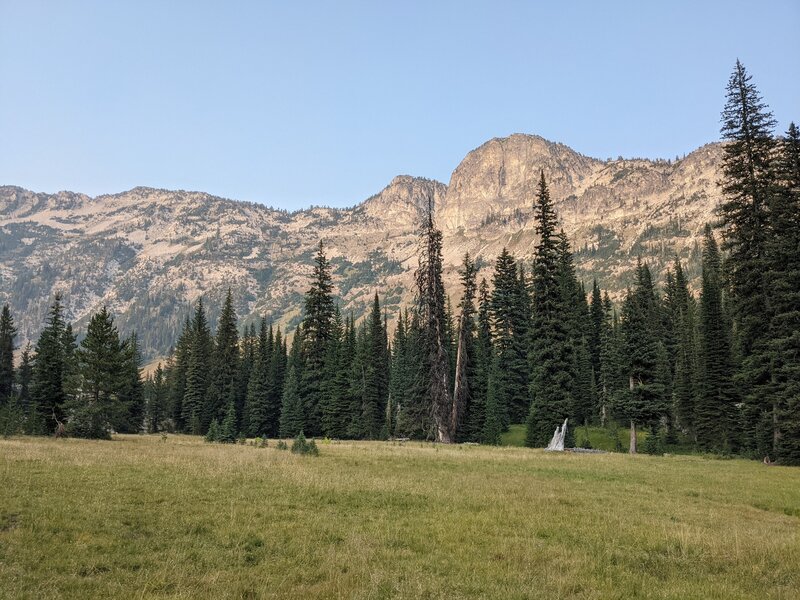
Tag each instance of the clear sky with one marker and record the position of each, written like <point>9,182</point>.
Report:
<point>298,103</point>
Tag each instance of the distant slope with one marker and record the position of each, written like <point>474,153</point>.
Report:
<point>148,253</point>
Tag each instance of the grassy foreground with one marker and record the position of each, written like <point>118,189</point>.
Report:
<point>141,517</point>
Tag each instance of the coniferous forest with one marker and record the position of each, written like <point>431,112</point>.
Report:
<point>715,369</point>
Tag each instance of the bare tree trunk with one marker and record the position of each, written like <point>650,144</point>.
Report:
<point>461,388</point>
<point>632,449</point>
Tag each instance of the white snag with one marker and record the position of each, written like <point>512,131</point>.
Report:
<point>557,443</point>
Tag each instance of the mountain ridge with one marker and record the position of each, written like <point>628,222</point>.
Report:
<point>150,252</point>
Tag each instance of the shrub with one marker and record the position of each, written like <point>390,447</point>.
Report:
<point>281,445</point>
<point>213,432</point>
<point>303,446</point>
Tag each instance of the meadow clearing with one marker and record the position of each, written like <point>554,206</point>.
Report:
<point>146,516</point>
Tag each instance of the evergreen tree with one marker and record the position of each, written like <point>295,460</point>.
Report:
<point>552,377</point>
<point>464,390</point>
<point>177,370</point>
<point>292,418</point>
<point>492,425</point>
<point>199,361</point>
<point>510,374</point>
<point>24,376</point>
<point>277,377</point>
<point>98,409</point>
<point>784,283</point>
<point>258,386</point>
<point>223,385</point>
<point>249,348</point>
<point>131,388</point>
<point>398,374</point>
<point>157,394</point>
<point>611,377</point>
<point>47,385</point>
<point>597,323</point>
<point>645,401</point>
<point>475,416</point>
<point>748,185</point>
<point>7,334</point>
<point>317,325</point>
<point>680,309</point>
<point>376,371</point>
<point>335,415</point>
<point>715,406</point>
<point>227,431</point>
<point>430,312</point>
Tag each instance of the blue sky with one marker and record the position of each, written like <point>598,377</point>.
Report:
<point>299,103</point>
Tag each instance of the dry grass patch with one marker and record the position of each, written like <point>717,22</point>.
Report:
<point>143,517</point>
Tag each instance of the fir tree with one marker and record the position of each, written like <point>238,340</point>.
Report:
<point>335,416</point>
<point>292,418</point>
<point>376,371</point>
<point>258,386</point>
<point>227,431</point>
<point>784,281</point>
<point>748,183</point>
<point>131,388</point>
<point>317,324</point>
<point>223,385</point>
<point>510,373</point>
<point>644,357</point>
<point>715,406</point>
<point>100,360</point>
<point>7,334</point>
<point>199,361</point>
<point>552,378</point>
<point>611,377</point>
<point>430,312</point>
<point>47,385</point>
<point>157,395</point>
<point>476,409</point>
<point>176,374</point>
<point>466,361</point>
<point>277,377</point>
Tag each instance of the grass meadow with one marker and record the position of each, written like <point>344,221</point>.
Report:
<point>148,517</point>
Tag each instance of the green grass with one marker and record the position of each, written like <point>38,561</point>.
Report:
<point>142,517</point>
<point>600,438</point>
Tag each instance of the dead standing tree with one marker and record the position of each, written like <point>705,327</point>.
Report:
<point>430,308</point>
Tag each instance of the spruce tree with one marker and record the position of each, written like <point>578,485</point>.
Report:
<point>464,390</point>
<point>97,410</point>
<point>317,324</point>
<point>784,281</point>
<point>223,385</point>
<point>277,378</point>
<point>199,361</point>
<point>292,418</point>
<point>611,378</point>
<point>47,385</point>
<point>157,396</point>
<point>484,355</point>
<point>645,401</point>
<point>227,431</point>
<point>552,377</point>
<point>715,413</point>
<point>748,185</point>
<point>597,322</point>
<point>176,373</point>
<point>510,336</point>
<point>335,415</point>
<point>131,388</point>
<point>7,334</point>
<point>375,373</point>
<point>257,404</point>
<point>430,312</point>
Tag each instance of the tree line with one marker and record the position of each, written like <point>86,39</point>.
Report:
<point>720,371</point>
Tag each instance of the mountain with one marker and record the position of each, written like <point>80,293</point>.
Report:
<point>149,253</point>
